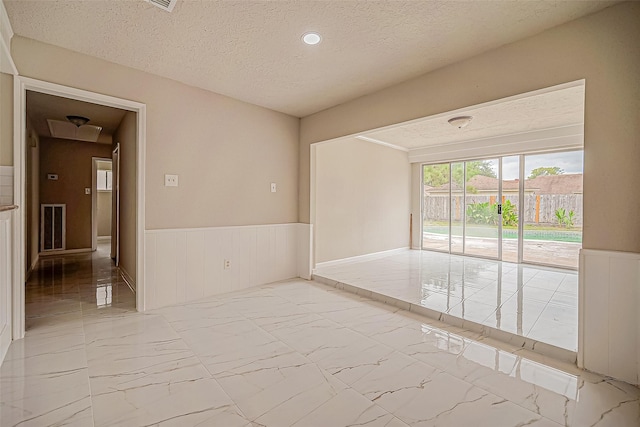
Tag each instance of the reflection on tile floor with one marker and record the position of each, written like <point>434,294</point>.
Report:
<point>292,353</point>
<point>535,302</point>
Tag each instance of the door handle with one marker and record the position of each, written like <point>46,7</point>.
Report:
<point>499,209</point>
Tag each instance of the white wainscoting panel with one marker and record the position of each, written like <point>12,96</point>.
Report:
<point>609,286</point>
<point>6,276</point>
<point>305,251</point>
<point>187,264</point>
<point>6,185</point>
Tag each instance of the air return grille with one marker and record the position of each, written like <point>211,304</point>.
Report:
<point>164,4</point>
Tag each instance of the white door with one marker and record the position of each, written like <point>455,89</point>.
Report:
<point>115,212</point>
<point>6,267</point>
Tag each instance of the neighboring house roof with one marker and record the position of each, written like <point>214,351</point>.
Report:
<point>552,184</point>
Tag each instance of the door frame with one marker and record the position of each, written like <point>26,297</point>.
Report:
<point>94,200</point>
<point>115,204</point>
<point>20,87</point>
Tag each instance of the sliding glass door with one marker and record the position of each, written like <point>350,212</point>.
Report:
<point>461,207</point>
<point>524,208</point>
<point>436,207</point>
<point>457,207</point>
<point>510,208</point>
<point>553,208</point>
<point>482,208</point>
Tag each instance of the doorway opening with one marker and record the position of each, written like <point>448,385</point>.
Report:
<point>46,143</point>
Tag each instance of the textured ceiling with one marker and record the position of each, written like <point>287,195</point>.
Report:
<point>41,107</point>
<point>251,50</point>
<point>563,107</point>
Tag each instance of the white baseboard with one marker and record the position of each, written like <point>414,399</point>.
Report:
<point>365,257</point>
<point>64,252</point>
<point>128,279</point>
<point>32,267</point>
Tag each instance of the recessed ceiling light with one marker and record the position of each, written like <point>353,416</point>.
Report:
<point>311,38</point>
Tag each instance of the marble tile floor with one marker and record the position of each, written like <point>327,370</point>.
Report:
<point>292,353</point>
<point>538,303</point>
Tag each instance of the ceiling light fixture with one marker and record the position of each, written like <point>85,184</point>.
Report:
<point>78,120</point>
<point>460,121</point>
<point>311,38</point>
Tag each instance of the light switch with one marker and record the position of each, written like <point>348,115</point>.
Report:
<point>171,180</point>
<point>273,187</point>
<point>87,190</point>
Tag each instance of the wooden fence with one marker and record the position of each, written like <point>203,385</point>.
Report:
<point>538,209</point>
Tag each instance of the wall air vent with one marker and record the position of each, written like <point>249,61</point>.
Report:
<point>167,5</point>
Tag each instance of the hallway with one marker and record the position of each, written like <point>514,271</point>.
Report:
<point>74,286</point>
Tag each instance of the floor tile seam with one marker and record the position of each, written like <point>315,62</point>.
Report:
<point>311,362</point>
<point>486,393</point>
<point>396,298</point>
<point>293,350</point>
<point>533,325</point>
<point>320,368</point>
<point>402,351</point>
<point>211,376</point>
<point>86,355</point>
<point>482,326</point>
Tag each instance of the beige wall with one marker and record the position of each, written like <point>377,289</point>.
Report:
<point>72,161</point>
<point>601,48</point>
<point>6,119</point>
<point>362,199</point>
<point>125,135</point>
<point>104,213</point>
<point>226,152</point>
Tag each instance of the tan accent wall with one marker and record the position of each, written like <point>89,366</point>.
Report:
<point>72,161</point>
<point>601,48</point>
<point>104,213</point>
<point>226,152</point>
<point>362,199</point>
<point>125,135</point>
<point>6,119</point>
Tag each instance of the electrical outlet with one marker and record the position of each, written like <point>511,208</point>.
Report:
<point>171,180</point>
<point>227,264</point>
<point>274,187</point>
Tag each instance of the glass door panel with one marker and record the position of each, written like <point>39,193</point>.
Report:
<point>553,208</point>
<point>540,199</point>
<point>457,207</point>
<point>481,207</point>
<point>435,207</point>
<point>510,207</point>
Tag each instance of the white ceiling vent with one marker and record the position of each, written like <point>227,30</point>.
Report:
<point>67,130</point>
<point>167,5</point>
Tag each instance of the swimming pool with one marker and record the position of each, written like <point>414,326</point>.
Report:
<point>508,233</point>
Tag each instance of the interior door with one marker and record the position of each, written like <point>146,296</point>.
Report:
<point>115,200</point>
